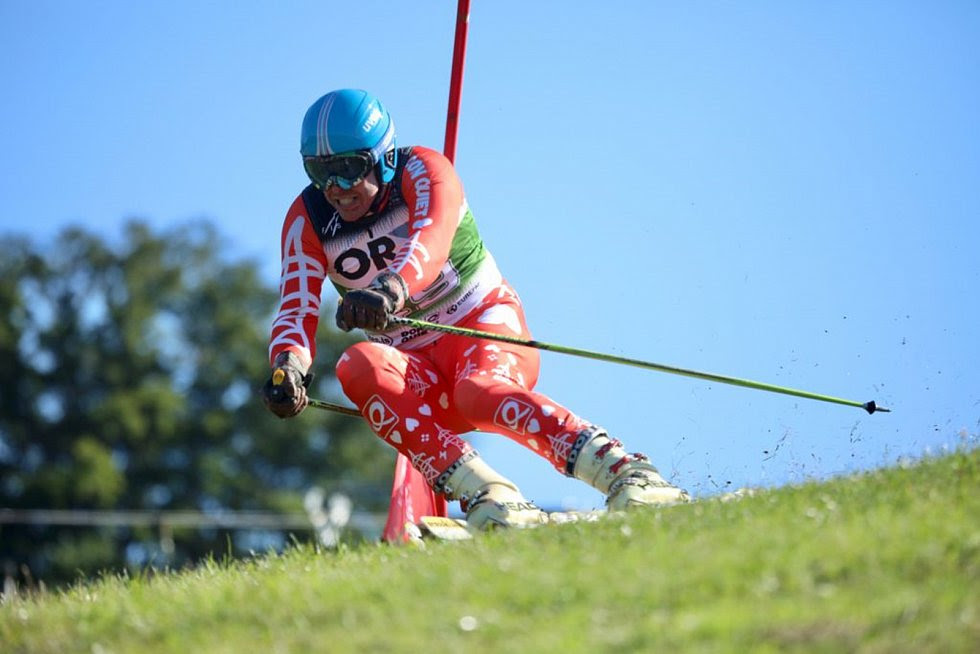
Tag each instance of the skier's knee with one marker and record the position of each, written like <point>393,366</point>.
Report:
<point>470,394</point>
<point>359,370</point>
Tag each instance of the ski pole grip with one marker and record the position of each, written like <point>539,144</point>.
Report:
<point>278,377</point>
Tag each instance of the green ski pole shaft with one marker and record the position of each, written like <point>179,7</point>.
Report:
<point>870,407</point>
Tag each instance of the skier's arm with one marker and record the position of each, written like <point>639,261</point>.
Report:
<point>304,267</point>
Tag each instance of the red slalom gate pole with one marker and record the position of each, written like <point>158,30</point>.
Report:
<point>411,496</point>
<point>456,79</point>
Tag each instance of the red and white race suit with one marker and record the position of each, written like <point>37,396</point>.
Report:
<point>420,390</point>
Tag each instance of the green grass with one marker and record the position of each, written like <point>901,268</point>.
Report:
<point>887,561</point>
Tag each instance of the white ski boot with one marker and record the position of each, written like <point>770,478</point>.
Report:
<point>627,480</point>
<point>489,499</point>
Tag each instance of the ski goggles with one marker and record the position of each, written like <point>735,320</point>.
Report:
<point>345,170</point>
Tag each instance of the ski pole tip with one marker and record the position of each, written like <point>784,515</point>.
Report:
<point>871,407</point>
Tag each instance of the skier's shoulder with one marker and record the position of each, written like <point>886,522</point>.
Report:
<point>297,211</point>
<point>297,206</point>
<point>418,160</point>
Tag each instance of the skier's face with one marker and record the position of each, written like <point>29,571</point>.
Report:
<point>352,203</point>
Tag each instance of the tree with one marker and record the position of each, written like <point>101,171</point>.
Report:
<point>130,381</point>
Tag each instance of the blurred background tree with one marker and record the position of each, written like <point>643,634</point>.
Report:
<point>130,381</point>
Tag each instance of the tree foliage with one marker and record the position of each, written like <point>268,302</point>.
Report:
<point>130,381</point>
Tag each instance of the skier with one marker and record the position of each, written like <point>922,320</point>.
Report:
<point>391,229</point>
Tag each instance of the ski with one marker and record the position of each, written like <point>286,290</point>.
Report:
<point>452,529</point>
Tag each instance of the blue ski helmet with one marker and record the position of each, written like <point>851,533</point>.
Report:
<point>350,120</point>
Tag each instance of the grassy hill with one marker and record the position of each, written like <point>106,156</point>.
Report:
<point>887,561</point>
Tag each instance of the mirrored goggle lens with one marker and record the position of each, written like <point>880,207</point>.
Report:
<point>346,169</point>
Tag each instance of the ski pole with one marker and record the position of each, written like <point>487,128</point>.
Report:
<point>278,375</point>
<point>339,408</point>
<point>870,407</point>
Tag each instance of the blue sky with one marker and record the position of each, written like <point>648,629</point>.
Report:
<point>787,192</point>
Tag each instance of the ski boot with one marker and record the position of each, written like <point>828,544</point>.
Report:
<point>627,480</point>
<point>488,499</point>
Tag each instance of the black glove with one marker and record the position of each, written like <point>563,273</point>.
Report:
<point>284,393</point>
<point>372,307</point>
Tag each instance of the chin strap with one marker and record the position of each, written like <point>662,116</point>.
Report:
<point>391,158</point>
